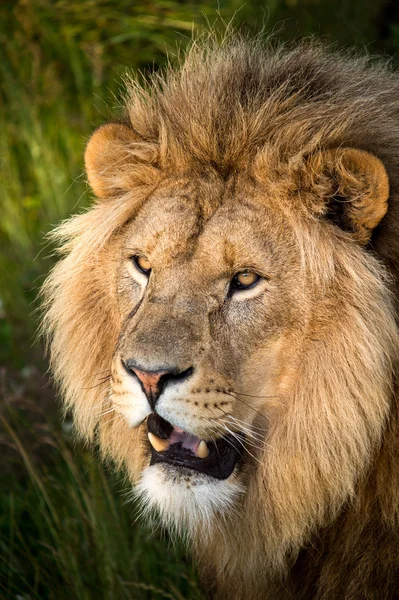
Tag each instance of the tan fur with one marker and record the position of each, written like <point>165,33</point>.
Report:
<point>280,161</point>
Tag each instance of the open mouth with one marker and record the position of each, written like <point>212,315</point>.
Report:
<point>174,446</point>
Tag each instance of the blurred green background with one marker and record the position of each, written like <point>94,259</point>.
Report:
<point>68,527</point>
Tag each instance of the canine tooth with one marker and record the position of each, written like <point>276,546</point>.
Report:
<point>157,443</point>
<point>202,450</point>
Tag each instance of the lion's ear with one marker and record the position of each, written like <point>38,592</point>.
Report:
<point>115,160</point>
<point>355,187</point>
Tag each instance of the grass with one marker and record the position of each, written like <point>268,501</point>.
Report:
<point>68,527</point>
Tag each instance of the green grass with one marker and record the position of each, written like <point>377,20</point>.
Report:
<point>68,528</point>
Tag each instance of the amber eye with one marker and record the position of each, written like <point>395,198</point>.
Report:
<point>244,280</point>
<point>143,264</point>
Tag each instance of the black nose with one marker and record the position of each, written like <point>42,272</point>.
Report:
<point>154,382</point>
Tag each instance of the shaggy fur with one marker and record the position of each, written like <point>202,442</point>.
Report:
<point>272,137</point>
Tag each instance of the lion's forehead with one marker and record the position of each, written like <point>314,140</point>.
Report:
<point>236,235</point>
<point>231,234</point>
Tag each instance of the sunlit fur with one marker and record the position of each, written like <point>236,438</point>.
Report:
<point>321,501</point>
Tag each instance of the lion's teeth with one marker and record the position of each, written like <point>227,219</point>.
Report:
<point>202,450</point>
<point>157,443</point>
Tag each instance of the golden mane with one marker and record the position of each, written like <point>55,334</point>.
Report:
<point>238,98</point>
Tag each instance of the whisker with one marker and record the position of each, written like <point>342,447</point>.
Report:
<point>244,403</point>
<point>243,425</point>
<point>114,418</point>
<point>104,404</point>
<point>241,443</point>
<point>245,430</point>
<point>102,381</point>
<point>121,405</point>
<point>260,439</point>
<point>107,372</point>
<point>268,397</point>
<point>104,412</point>
<point>255,431</point>
<point>247,441</point>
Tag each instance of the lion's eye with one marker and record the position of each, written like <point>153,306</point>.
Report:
<point>244,280</point>
<point>143,264</point>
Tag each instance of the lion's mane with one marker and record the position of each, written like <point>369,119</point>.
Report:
<point>237,106</point>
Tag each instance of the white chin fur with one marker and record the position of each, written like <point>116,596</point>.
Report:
<point>185,500</point>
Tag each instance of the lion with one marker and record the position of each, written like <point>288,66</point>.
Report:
<point>223,320</point>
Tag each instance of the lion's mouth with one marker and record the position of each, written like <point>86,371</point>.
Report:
<point>176,447</point>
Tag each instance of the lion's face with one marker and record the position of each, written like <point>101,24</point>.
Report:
<point>201,349</point>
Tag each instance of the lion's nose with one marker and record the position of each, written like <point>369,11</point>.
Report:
<point>154,382</point>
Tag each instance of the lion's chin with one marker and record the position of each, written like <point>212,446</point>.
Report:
<point>185,499</point>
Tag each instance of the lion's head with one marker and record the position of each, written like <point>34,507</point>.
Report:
<point>221,321</point>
